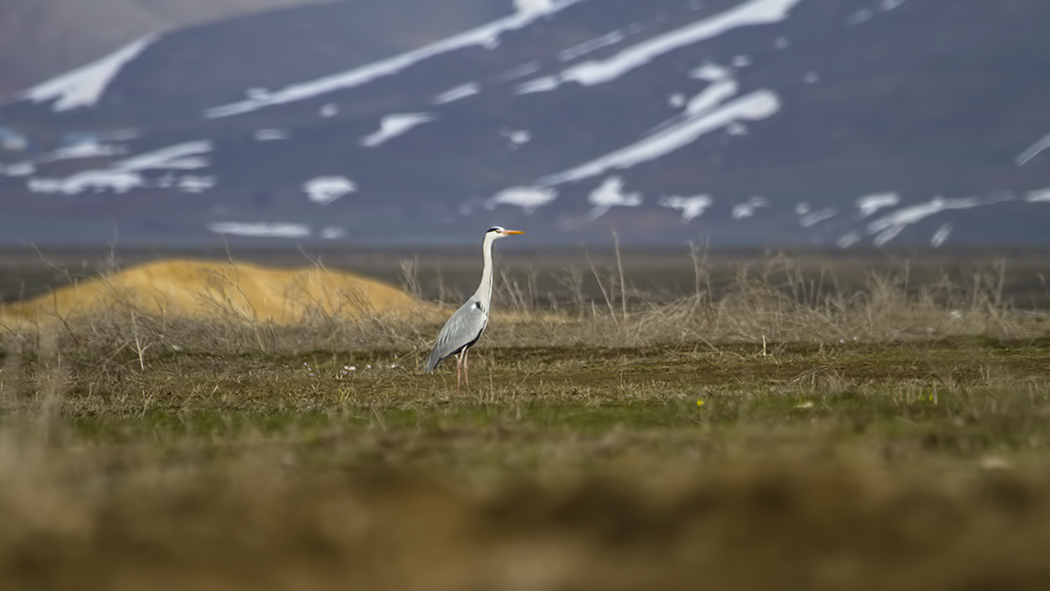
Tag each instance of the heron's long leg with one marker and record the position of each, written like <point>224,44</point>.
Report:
<point>466,369</point>
<point>459,367</point>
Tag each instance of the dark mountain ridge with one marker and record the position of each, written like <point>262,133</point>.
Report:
<point>760,122</point>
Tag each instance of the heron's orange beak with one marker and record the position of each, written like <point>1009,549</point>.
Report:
<point>513,232</point>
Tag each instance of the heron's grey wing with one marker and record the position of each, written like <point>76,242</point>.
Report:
<point>461,330</point>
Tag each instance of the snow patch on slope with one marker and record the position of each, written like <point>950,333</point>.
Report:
<point>869,204</point>
<point>126,175</point>
<point>261,229</point>
<point>589,73</point>
<point>195,184</point>
<point>756,105</point>
<point>1037,196</point>
<point>486,35</point>
<point>849,239</point>
<point>710,71</point>
<point>326,189</point>
<point>691,207</point>
<point>459,92</point>
<point>185,156</point>
<point>527,198</point>
<point>707,111</point>
<point>711,97</point>
<point>538,85</point>
<point>812,219</point>
<point>610,194</point>
<point>534,6</point>
<point>88,146</point>
<point>269,135</point>
<point>746,210</point>
<point>84,86</point>
<point>888,227</point>
<point>1033,151</point>
<point>516,137</point>
<point>394,125</point>
<point>941,235</point>
<point>98,180</point>
<point>333,233</point>
<point>91,149</point>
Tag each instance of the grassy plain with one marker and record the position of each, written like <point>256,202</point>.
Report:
<point>743,423</point>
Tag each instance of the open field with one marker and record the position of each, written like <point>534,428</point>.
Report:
<point>782,424</point>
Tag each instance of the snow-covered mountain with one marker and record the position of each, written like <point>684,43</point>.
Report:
<point>745,122</point>
<point>41,38</point>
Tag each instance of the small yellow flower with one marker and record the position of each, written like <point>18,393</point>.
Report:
<point>699,402</point>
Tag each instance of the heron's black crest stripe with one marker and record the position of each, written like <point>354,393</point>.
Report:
<point>494,229</point>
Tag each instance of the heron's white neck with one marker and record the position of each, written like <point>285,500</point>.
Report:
<point>484,292</point>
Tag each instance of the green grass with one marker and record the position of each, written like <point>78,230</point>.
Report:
<point>946,399</point>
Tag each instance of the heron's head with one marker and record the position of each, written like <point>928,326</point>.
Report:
<point>497,232</point>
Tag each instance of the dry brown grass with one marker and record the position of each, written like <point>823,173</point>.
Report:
<point>207,290</point>
<point>227,307</point>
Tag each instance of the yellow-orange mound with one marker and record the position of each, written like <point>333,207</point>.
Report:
<point>195,289</point>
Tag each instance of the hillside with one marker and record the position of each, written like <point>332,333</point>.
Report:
<point>756,122</point>
<point>203,289</point>
<point>42,39</point>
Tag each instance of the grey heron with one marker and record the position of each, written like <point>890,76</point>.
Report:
<point>464,328</point>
